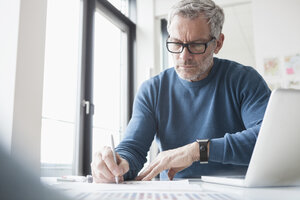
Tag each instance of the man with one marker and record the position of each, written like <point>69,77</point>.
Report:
<point>205,113</point>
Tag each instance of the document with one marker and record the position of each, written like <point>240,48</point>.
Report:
<point>154,196</point>
<point>139,190</point>
<point>130,186</point>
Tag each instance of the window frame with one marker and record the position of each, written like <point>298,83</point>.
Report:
<point>84,140</point>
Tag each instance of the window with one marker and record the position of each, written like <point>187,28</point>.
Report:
<point>167,60</point>
<point>60,87</point>
<point>109,82</point>
<point>121,5</point>
<point>88,82</point>
<point>108,64</point>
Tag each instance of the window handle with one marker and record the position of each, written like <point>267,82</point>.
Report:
<point>89,107</point>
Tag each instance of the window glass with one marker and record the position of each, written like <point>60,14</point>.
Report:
<point>109,82</point>
<point>60,87</point>
<point>121,5</point>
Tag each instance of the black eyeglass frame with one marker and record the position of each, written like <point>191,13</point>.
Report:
<point>183,45</point>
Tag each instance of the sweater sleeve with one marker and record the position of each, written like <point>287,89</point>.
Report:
<point>236,148</point>
<point>140,130</point>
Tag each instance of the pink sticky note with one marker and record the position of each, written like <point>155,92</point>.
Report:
<point>290,71</point>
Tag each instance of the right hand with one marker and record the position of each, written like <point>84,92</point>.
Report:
<point>104,168</point>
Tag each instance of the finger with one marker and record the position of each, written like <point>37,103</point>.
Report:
<point>123,166</point>
<point>95,172</point>
<point>100,167</point>
<point>121,179</point>
<point>119,158</point>
<point>101,170</point>
<point>100,178</point>
<point>138,178</point>
<point>107,157</point>
<point>143,174</point>
<point>104,171</point>
<point>171,174</point>
<point>156,170</point>
<point>96,160</point>
<point>96,177</point>
<point>173,171</point>
<point>105,180</point>
<point>146,171</point>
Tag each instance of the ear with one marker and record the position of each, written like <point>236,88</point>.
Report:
<point>220,41</point>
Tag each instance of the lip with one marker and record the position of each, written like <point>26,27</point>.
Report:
<point>187,66</point>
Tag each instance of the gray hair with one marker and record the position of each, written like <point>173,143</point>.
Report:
<point>194,8</point>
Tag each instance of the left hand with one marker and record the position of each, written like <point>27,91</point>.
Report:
<point>174,160</point>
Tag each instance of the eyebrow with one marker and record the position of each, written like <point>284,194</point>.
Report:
<point>194,41</point>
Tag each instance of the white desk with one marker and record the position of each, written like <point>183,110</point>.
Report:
<point>271,193</point>
<point>194,190</point>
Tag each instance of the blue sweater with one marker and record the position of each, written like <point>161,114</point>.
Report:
<point>227,107</point>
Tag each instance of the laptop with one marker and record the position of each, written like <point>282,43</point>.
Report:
<point>275,159</point>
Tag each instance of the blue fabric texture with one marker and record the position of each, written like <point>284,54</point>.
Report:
<point>226,107</point>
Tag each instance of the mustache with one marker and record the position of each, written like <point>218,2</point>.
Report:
<point>186,62</point>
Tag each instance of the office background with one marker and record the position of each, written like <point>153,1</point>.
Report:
<point>46,69</point>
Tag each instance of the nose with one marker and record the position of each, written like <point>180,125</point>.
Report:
<point>185,54</point>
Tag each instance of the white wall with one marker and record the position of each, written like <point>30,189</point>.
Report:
<point>9,19</point>
<point>23,25</point>
<point>145,40</point>
<point>162,6</point>
<point>238,30</point>
<point>276,28</point>
<point>146,48</point>
<point>26,132</point>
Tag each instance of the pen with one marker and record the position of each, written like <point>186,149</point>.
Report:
<point>114,154</point>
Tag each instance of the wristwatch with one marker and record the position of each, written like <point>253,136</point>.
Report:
<point>203,150</point>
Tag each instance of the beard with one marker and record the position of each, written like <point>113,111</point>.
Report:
<point>193,70</point>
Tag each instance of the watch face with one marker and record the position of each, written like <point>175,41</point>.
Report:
<point>202,148</point>
<point>203,151</point>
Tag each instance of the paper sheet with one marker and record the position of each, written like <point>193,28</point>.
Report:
<point>153,196</point>
<point>139,190</point>
<point>131,186</point>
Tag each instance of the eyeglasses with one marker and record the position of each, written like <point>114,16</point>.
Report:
<point>193,47</point>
